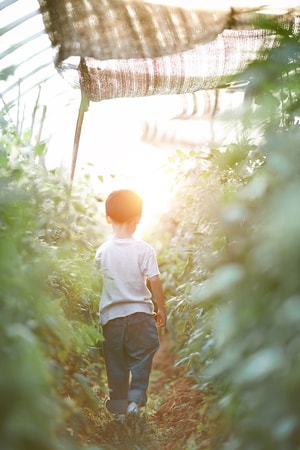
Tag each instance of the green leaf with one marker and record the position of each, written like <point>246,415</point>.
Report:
<point>260,365</point>
<point>224,279</point>
<point>40,149</point>
<point>7,72</point>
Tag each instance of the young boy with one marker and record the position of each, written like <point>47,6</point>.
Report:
<point>126,309</point>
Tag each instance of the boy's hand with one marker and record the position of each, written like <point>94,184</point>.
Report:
<point>157,291</point>
<point>161,318</point>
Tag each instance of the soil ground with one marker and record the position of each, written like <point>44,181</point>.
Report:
<point>171,421</point>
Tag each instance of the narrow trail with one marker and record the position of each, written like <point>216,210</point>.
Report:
<point>178,416</point>
<point>171,421</point>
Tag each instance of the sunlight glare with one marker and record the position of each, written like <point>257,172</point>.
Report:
<point>112,151</point>
<point>146,174</point>
<point>153,183</point>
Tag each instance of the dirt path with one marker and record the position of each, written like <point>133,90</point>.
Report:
<point>171,420</point>
<point>178,416</point>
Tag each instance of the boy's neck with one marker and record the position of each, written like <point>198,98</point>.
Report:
<point>123,230</point>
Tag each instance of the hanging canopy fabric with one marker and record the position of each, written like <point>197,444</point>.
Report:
<point>125,29</point>
<point>136,48</point>
<point>130,48</point>
<point>205,67</point>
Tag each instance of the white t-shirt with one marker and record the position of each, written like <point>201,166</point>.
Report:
<point>125,264</point>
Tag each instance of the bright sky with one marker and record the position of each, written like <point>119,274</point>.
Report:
<point>111,145</point>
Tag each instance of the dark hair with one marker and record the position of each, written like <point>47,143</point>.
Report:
<point>123,205</point>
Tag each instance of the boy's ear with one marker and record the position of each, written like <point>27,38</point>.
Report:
<point>137,219</point>
<point>108,219</point>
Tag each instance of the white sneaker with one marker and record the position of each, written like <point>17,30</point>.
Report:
<point>120,418</point>
<point>133,408</point>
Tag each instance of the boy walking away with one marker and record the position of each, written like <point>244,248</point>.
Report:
<point>126,310</point>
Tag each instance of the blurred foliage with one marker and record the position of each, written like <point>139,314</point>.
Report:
<point>50,339</point>
<point>234,252</point>
<point>229,253</point>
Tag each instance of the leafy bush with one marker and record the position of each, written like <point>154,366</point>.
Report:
<point>236,308</point>
<point>256,327</point>
<point>49,289</point>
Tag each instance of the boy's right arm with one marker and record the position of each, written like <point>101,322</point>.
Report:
<point>157,291</point>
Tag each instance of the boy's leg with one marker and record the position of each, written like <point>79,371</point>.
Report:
<point>142,342</point>
<point>116,366</point>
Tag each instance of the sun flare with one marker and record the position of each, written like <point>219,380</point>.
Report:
<point>154,185</point>
<point>111,149</point>
<point>146,173</point>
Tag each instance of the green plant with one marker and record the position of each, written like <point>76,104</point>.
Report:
<point>235,311</point>
<point>49,289</point>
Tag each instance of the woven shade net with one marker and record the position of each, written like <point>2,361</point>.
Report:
<point>125,29</point>
<point>208,66</point>
<point>131,48</point>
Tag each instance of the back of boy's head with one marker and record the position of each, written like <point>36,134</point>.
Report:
<point>123,205</point>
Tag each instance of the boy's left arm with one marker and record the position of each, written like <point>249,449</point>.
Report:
<point>157,291</point>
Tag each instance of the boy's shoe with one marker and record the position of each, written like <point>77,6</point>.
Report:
<point>120,418</point>
<point>133,408</point>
